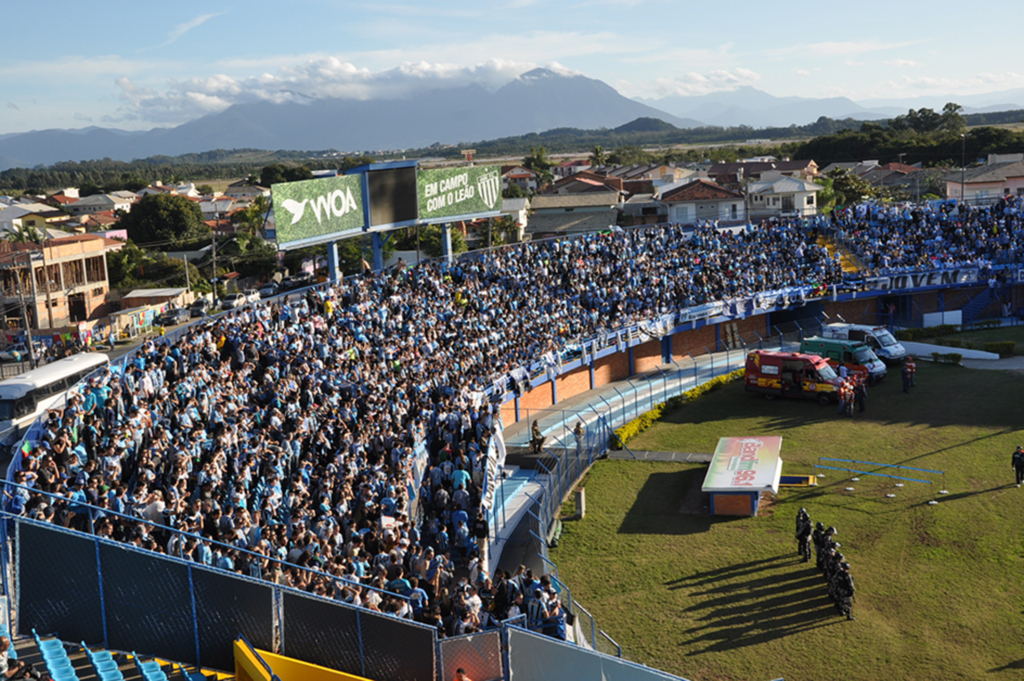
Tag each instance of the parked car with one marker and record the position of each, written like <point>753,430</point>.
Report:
<point>232,300</point>
<point>300,280</point>
<point>173,316</point>
<point>199,308</point>
<point>269,290</point>
<point>252,295</point>
<point>18,352</point>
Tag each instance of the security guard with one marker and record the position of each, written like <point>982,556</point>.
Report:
<point>912,368</point>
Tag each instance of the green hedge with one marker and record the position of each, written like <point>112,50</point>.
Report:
<point>1001,348</point>
<point>950,358</point>
<point>927,332</point>
<point>646,420</point>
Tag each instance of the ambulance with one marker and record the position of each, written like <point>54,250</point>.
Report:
<point>856,356</point>
<point>878,338</point>
<point>791,374</point>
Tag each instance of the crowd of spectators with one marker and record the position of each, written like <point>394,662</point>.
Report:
<point>336,442</point>
<point>891,240</point>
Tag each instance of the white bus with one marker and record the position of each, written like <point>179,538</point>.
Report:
<point>27,396</point>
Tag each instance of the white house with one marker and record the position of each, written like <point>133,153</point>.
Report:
<point>219,206</point>
<point>243,191</point>
<point>97,203</point>
<point>783,196</point>
<point>703,200</point>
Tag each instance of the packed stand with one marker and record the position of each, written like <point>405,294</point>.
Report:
<point>890,240</point>
<point>285,436</point>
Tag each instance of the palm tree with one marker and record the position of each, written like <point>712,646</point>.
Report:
<point>24,234</point>
<point>597,156</point>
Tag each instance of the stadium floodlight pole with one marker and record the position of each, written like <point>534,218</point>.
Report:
<point>963,164</point>
<point>216,221</point>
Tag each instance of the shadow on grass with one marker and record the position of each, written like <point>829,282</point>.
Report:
<point>747,612</point>
<point>712,576</point>
<point>966,495</point>
<point>1016,665</point>
<point>672,503</point>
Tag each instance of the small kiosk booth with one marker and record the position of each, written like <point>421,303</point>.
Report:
<point>741,469</point>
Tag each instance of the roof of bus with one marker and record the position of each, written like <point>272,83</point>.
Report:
<point>16,386</point>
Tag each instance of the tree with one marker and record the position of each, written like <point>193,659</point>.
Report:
<point>537,160</point>
<point>132,267</point>
<point>205,190</point>
<point>513,191</point>
<point>597,156</point>
<point>432,241</point>
<point>163,219</point>
<point>952,120</point>
<point>849,188</point>
<point>252,218</point>
<point>24,234</point>
<point>249,255</point>
<point>279,172</point>
<point>628,155</point>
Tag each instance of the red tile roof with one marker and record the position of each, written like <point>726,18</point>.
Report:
<point>699,190</point>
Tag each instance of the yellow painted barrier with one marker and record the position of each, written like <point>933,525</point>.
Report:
<point>248,668</point>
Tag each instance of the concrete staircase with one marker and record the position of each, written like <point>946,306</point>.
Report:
<point>848,261</point>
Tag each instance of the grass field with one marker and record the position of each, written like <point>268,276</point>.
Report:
<point>939,588</point>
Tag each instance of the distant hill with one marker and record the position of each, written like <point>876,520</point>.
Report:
<point>645,125</point>
<point>535,101</point>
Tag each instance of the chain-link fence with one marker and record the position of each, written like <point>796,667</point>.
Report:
<point>479,654</point>
<point>83,588</point>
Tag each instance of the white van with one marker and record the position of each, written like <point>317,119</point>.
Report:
<point>878,338</point>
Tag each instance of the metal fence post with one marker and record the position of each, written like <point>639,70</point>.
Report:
<point>99,577</point>
<point>362,657</point>
<point>195,620</point>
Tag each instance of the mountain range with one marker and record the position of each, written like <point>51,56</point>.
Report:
<point>536,101</point>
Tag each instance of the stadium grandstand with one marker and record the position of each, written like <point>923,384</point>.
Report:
<point>327,479</point>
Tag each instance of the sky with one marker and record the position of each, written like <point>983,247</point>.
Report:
<point>142,65</point>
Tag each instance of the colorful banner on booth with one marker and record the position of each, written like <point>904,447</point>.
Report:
<point>745,464</point>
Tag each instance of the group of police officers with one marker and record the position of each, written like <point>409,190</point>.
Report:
<point>829,560</point>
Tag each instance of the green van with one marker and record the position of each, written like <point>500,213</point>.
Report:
<point>856,356</point>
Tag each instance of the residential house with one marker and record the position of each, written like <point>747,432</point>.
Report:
<point>519,211</point>
<point>212,207</point>
<point>643,209</point>
<point>779,196</point>
<point>988,183</point>
<point>739,174</point>
<point>157,187</point>
<point>585,181</point>
<point>187,189</point>
<point>573,213</point>
<point>242,190</point>
<point>889,174</point>
<point>700,200</point>
<point>859,168</point>
<point>162,297</point>
<point>567,168</point>
<point>129,196</point>
<point>63,281</point>
<point>97,203</point>
<point>526,179</point>
<point>39,216</point>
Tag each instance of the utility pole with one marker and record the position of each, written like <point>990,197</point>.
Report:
<point>216,222</point>
<point>188,284</point>
<point>963,165</point>
<point>24,312</point>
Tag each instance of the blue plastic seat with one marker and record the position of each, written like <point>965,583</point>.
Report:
<point>49,644</point>
<point>157,675</point>
<point>113,675</point>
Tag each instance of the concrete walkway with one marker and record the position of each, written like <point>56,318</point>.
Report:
<point>646,455</point>
<point>1005,364</point>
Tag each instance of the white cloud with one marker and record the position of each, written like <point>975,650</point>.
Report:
<point>323,77</point>
<point>183,28</point>
<point>693,83</point>
<point>902,63</point>
<point>844,48</point>
<point>802,72</point>
<point>851,62</point>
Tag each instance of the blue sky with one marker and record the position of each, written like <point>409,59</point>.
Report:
<point>141,65</point>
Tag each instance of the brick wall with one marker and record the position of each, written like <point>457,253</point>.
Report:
<point>538,398</point>
<point>611,368</point>
<point>572,383</point>
<point>693,341</point>
<point>646,356</point>
<point>854,311</point>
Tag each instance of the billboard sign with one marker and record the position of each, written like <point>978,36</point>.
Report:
<point>456,192</point>
<point>313,211</point>
<point>745,464</point>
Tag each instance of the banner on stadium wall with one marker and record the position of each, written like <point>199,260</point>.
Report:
<point>318,210</point>
<point>1020,276</point>
<point>490,477</point>
<point>745,464</point>
<point>701,311</point>
<point>450,192</point>
<point>899,282</point>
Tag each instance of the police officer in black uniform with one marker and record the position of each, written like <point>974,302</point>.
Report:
<point>845,590</point>
<point>827,544</point>
<point>818,537</point>
<point>803,535</point>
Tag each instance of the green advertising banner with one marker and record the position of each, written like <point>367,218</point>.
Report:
<point>331,206</point>
<point>447,192</point>
<point>745,464</point>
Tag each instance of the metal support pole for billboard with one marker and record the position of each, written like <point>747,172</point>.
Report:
<point>446,241</point>
<point>333,266</point>
<point>377,241</point>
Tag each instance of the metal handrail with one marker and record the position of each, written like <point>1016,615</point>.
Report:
<point>612,641</point>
